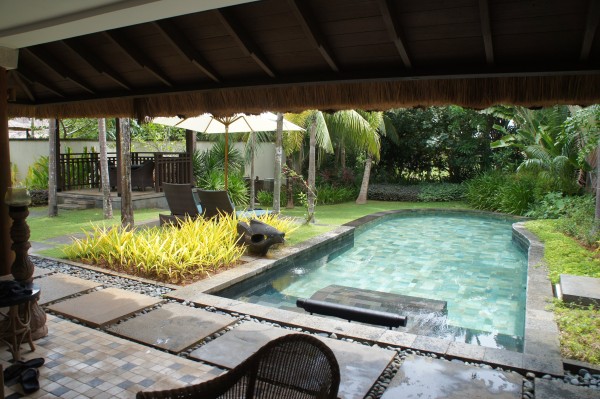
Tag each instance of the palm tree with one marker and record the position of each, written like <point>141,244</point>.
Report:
<point>550,151</point>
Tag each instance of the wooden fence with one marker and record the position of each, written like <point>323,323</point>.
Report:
<point>82,170</point>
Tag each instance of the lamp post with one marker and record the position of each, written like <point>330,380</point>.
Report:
<point>18,201</point>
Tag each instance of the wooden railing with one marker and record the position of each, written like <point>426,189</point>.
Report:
<point>82,170</point>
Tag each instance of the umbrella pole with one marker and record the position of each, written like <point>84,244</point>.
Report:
<point>226,153</point>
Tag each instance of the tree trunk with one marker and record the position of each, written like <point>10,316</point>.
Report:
<point>289,185</point>
<point>252,185</point>
<point>364,186</point>
<point>52,172</point>
<point>597,215</point>
<point>343,155</point>
<point>278,160</point>
<point>312,129</point>
<point>126,205</point>
<point>105,184</point>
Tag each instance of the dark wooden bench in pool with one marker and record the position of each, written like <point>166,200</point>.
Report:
<point>352,313</point>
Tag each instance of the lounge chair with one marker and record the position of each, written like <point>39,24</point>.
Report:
<point>182,203</point>
<point>292,366</point>
<point>215,202</point>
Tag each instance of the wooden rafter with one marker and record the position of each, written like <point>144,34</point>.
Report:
<point>95,62</point>
<point>486,30</point>
<point>312,31</point>
<point>58,68</point>
<point>16,77</point>
<point>395,30</point>
<point>243,40</point>
<point>591,27</point>
<point>138,57</point>
<point>185,48</point>
<point>36,79</point>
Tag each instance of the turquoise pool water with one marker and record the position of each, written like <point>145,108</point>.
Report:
<point>469,262</point>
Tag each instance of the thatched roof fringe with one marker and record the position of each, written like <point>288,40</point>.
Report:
<point>379,95</point>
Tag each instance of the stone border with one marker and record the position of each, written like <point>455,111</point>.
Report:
<point>541,350</point>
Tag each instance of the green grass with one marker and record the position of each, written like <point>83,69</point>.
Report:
<point>579,332</point>
<point>563,255</point>
<point>328,217</point>
<point>73,222</point>
<point>579,327</point>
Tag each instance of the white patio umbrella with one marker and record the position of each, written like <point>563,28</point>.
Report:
<point>237,123</point>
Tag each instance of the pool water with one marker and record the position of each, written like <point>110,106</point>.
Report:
<point>470,262</point>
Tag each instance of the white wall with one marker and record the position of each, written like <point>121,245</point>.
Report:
<point>24,153</point>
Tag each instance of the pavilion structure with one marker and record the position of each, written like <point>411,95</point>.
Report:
<point>139,59</point>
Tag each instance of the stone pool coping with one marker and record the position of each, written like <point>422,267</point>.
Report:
<point>541,352</point>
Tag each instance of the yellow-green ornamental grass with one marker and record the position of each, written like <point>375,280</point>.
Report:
<point>181,254</point>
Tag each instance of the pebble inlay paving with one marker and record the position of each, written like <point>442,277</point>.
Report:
<point>427,378</point>
<point>59,286</point>
<point>173,327</point>
<point>100,308</point>
<point>360,365</point>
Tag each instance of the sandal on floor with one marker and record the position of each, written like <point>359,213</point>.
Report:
<point>15,370</point>
<point>30,380</point>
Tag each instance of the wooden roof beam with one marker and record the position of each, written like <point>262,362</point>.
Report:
<point>95,62</point>
<point>49,62</point>
<point>185,48</point>
<point>36,79</point>
<point>243,40</point>
<point>394,29</point>
<point>16,77</point>
<point>141,59</point>
<point>591,27</point>
<point>486,30</point>
<point>312,31</point>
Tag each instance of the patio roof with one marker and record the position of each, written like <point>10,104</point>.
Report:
<point>274,55</point>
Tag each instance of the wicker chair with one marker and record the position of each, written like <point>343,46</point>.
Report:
<point>215,202</point>
<point>143,176</point>
<point>293,366</point>
<point>181,201</point>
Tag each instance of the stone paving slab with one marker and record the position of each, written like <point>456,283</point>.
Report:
<point>579,289</point>
<point>360,365</point>
<point>40,271</point>
<point>427,378</point>
<point>173,327</point>
<point>549,389</point>
<point>59,286</point>
<point>100,308</point>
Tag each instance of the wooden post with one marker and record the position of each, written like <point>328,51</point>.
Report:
<point>190,144</point>
<point>53,167</point>
<point>7,256</point>
<point>118,150</point>
<point>125,182</point>
<point>278,160</point>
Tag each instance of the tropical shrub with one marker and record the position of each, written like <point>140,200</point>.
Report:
<point>483,191</point>
<point>578,220</point>
<point>236,186</point>
<point>38,175</point>
<point>329,195</point>
<point>194,250</point>
<point>441,192</point>
<point>392,192</point>
<point>517,194</point>
<point>265,198</point>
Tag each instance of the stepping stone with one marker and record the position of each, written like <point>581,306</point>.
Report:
<point>360,365</point>
<point>581,290</point>
<point>549,389</point>
<point>40,271</point>
<point>59,286</point>
<point>427,378</point>
<point>100,308</point>
<point>172,327</point>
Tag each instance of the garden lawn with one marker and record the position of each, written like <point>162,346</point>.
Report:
<point>328,217</point>
<point>74,222</point>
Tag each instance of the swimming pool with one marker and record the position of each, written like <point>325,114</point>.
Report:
<point>468,262</point>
